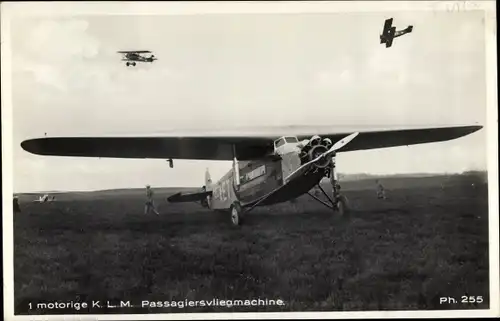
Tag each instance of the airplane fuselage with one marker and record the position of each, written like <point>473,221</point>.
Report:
<point>136,57</point>
<point>261,177</point>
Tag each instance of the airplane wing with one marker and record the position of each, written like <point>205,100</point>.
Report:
<point>402,137</point>
<point>167,147</point>
<point>188,197</point>
<point>221,147</point>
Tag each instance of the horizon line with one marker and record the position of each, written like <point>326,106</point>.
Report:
<point>425,174</point>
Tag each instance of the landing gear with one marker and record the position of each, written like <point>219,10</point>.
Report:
<point>130,64</point>
<point>343,206</point>
<point>236,214</point>
<point>338,202</point>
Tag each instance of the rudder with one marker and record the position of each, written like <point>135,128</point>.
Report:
<point>208,181</point>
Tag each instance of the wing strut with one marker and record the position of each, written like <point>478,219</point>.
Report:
<point>262,200</point>
<point>236,167</point>
<point>321,201</point>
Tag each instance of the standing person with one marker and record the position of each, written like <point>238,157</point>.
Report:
<point>334,180</point>
<point>150,204</point>
<point>17,208</point>
<point>380,190</point>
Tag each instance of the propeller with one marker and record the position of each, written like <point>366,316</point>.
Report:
<point>338,145</point>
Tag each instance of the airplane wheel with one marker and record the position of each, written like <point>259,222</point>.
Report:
<point>236,217</point>
<point>128,64</point>
<point>343,206</point>
<point>133,64</point>
<point>207,202</point>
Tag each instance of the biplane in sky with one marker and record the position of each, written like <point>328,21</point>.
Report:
<point>133,56</point>
<point>266,169</point>
<point>389,33</point>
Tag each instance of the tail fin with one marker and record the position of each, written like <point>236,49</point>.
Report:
<point>208,180</point>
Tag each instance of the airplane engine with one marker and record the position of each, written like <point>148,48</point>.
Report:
<point>317,151</point>
<point>315,140</point>
<point>327,142</point>
<point>315,148</point>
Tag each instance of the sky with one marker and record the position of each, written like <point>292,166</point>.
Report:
<point>243,70</point>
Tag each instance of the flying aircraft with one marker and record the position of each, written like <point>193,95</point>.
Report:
<point>389,33</point>
<point>136,55</point>
<point>266,169</point>
<point>44,199</point>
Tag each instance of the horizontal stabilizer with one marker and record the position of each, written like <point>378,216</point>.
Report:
<point>188,197</point>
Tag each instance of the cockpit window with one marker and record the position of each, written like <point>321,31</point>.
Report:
<point>291,139</point>
<point>280,142</point>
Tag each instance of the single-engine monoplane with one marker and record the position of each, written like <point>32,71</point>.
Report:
<point>267,168</point>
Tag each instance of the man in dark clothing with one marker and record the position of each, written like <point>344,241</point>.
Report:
<point>17,209</point>
<point>380,190</point>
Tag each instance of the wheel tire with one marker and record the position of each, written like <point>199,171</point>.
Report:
<point>128,64</point>
<point>133,64</point>
<point>236,217</point>
<point>207,202</point>
<point>343,206</point>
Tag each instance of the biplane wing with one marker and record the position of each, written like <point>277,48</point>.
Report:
<point>388,33</point>
<point>388,41</point>
<point>133,51</point>
<point>387,25</point>
<point>215,147</point>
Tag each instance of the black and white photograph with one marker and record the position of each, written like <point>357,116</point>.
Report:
<point>250,159</point>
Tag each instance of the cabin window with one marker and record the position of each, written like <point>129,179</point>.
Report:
<point>291,139</point>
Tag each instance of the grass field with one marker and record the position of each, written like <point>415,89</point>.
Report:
<point>429,239</point>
